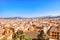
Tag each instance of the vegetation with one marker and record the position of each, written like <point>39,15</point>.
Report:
<point>22,37</point>
<point>28,38</point>
<point>17,36</point>
<point>41,36</point>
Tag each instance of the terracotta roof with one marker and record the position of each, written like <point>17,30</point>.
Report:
<point>32,34</point>
<point>54,29</point>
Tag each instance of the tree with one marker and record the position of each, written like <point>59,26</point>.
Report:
<point>41,36</point>
<point>22,37</point>
<point>15,36</point>
<point>28,38</point>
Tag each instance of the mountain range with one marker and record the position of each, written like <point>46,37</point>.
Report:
<point>31,17</point>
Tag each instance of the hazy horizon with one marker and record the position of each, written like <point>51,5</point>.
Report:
<point>29,8</point>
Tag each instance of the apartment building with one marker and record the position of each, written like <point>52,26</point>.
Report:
<point>54,33</point>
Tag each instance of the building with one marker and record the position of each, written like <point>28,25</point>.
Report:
<point>54,33</point>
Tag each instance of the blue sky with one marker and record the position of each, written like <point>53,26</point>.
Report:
<point>29,8</point>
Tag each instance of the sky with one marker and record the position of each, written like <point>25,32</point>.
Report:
<point>29,8</point>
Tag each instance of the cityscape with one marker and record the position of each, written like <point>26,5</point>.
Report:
<point>29,19</point>
<point>30,27</point>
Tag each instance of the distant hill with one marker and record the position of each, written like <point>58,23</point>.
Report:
<point>52,17</point>
<point>13,18</point>
<point>31,17</point>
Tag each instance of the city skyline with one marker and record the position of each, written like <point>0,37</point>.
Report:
<point>29,8</point>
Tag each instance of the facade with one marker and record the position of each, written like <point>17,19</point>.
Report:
<point>54,33</point>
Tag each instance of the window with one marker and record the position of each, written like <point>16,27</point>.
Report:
<point>57,33</point>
